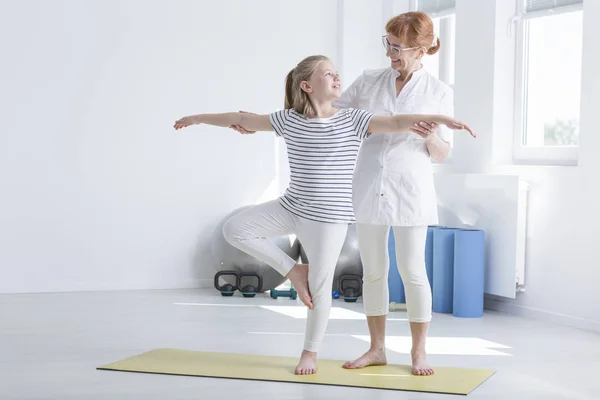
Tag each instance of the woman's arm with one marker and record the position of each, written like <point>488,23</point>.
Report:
<point>251,121</point>
<point>438,148</point>
<point>404,122</point>
<point>438,138</point>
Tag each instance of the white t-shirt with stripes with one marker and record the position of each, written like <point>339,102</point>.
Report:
<point>322,153</point>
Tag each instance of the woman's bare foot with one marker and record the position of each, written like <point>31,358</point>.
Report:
<point>298,275</point>
<point>307,364</point>
<point>371,357</point>
<point>419,363</point>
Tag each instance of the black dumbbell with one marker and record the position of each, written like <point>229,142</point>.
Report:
<point>249,290</point>
<point>350,293</point>
<point>227,289</point>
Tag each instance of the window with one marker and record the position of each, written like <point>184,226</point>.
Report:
<point>435,8</point>
<point>548,83</point>
<point>441,64</point>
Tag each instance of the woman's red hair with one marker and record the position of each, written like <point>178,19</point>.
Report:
<point>414,29</point>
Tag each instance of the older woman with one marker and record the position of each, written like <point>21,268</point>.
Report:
<point>393,181</point>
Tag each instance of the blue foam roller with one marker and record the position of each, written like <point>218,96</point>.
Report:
<point>429,256</point>
<point>469,249</point>
<point>443,270</point>
<point>395,284</point>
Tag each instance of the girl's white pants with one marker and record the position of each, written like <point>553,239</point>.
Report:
<point>410,258</point>
<point>251,230</point>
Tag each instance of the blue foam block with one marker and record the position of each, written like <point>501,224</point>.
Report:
<point>443,269</point>
<point>395,284</point>
<point>469,249</point>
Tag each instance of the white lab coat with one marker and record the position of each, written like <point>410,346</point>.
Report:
<point>393,179</point>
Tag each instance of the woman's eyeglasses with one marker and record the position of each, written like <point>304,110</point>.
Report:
<point>392,49</point>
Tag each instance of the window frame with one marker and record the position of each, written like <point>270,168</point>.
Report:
<point>536,155</point>
<point>447,24</point>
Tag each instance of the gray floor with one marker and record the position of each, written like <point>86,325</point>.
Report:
<point>50,345</point>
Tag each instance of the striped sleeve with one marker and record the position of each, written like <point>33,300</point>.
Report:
<point>360,122</point>
<point>279,120</point>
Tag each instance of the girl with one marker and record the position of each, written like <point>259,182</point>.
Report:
<point>322,144</point>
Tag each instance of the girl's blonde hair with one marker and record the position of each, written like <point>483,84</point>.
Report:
<point>295,97</point>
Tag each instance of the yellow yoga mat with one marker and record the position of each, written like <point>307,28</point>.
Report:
<point>281,369</point>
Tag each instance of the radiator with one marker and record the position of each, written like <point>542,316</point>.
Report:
<point>496,204</point>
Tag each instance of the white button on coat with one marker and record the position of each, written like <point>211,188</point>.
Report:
<point>393,179</point>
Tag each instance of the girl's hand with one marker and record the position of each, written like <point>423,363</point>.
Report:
<point>425,129</point>
<point>455,124</point>
<point>184,122</point>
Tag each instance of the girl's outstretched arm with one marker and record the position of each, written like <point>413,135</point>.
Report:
<point>250,121</point>
<point>404,122</point>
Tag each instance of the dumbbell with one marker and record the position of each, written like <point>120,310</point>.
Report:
<point>292,294</point>
<point>397,306</point>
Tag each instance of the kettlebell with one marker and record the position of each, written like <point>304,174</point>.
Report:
<point>227,289</point>
<point>350,293</point>
<point>249,290</point>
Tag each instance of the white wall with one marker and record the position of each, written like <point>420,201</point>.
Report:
<point>562,267</point>
<point>97,190</point>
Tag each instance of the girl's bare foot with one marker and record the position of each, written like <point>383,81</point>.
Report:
<point>419,363</point>
<point>307,364</point>
<point>371,357</point>
<point>298,275</point>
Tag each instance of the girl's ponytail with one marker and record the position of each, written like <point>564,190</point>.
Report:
<point>289,90</point>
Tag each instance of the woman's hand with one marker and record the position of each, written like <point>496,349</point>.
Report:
<point>185,122</point>
<point>424,129</point>
<point>240,128</point>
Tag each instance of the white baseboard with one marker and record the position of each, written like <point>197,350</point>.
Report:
<point>61,287</point>
<point>542,315</point>
<point>206,283</point>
